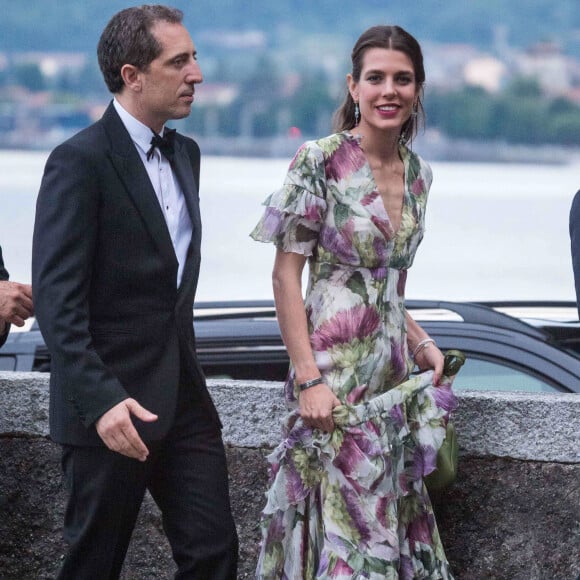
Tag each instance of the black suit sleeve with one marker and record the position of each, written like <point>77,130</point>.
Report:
<point>575,244</point>
<point>3,276</point>
<point>3,271</point>
<point>65,237</point>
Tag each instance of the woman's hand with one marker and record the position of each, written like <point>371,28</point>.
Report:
<point>316,405</point>
<point>431,357</point>
<point>426,354</point>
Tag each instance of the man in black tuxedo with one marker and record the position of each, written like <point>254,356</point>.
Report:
<point>15,302</point>
<point>115,265</point>
<point>575,243</point>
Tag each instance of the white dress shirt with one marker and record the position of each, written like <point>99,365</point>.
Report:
<point>165,184</point>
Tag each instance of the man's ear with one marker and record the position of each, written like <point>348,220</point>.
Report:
<point>131,76</point>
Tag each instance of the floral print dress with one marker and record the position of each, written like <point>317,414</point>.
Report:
<point>352,504</point>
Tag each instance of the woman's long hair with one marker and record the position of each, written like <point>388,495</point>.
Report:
<point>394,38</point>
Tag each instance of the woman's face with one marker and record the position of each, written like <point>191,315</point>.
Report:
<point>387,90</point>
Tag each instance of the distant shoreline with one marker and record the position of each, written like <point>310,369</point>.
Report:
<point>431,147</point>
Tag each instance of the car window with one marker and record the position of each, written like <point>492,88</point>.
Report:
<point>484,375</point>
<point>7,363</point>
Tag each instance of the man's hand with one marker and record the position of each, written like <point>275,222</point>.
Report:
<point>117,431</point>
<point>15,302</point>
<point>316,404</point>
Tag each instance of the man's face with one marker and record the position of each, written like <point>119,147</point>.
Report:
<point>168,84</point>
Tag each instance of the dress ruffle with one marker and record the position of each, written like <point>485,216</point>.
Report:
<point>291,220</point>
<point>352,504</point>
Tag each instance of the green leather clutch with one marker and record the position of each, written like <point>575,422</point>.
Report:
<point>447,456</point>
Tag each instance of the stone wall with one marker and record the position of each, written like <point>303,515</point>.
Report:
<point>513,513</point>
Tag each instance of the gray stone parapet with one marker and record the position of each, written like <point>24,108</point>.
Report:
<point>535,427</point>
<point>24,404</point>
<point>532,427</point>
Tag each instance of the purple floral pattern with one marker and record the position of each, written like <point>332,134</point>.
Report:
<point>353,504</point>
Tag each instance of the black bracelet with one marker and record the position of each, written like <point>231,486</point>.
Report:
<point>310,383</point>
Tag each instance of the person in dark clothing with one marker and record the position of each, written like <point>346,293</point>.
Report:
<point>115,264</point>
<point>575,244</point>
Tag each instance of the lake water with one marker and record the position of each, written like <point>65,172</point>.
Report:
<point>494,231</point>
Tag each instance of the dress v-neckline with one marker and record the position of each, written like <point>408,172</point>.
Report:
<point>404,204</point>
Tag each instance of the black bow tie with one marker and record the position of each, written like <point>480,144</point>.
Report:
<point>165,144</point>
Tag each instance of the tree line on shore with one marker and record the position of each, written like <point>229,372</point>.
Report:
<point>262,104</point>
<point>519,114</point>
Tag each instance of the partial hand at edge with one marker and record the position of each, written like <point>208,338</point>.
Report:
<point>316,405</point>
<point>117,431</point>
<point>15,302</point>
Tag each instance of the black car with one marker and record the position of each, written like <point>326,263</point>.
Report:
<point>241,340</point>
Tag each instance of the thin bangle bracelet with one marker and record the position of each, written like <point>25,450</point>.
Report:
<point>310,383</point>
<point>422,345</point>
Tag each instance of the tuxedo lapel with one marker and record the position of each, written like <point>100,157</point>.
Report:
<point>182,167</point>
<point>132,173</point>
<point>183,171</point>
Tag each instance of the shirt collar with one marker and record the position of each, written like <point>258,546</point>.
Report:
<point>140,133</point>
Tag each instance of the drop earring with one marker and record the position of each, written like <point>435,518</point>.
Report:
<point>356,114</point>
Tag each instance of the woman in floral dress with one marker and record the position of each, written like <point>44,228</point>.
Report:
<point>347,498</point>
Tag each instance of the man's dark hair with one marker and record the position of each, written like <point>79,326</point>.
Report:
<point>127,39</point>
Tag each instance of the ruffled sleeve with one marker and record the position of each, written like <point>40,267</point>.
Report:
<point>294,213</point>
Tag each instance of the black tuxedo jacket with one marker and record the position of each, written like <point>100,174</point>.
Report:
<point>3,276</point>
<point>104,283</point>
<point>575,242</point>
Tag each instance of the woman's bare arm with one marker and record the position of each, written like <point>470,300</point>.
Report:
<point>316,403</point>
